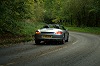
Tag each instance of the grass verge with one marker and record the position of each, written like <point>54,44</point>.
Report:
<point>92,30</point>
<point>24,35</point>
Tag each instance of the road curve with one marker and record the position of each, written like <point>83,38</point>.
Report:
<point>82,50</point>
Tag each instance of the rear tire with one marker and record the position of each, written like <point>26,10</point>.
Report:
<point>67,39</point>
<point>37,41</point>
<point>63,41</point>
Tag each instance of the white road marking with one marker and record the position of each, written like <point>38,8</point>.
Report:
<point>56,50</point>
<point>75,42</point>
<point>52,51</point>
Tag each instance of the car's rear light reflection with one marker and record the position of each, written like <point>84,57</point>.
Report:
<point>59,32</point>
<point>37,32</point>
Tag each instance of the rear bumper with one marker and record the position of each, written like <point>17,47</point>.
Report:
<point>53,37</point>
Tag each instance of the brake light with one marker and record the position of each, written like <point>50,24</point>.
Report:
<point>59,32</point>
<point>37,32</point>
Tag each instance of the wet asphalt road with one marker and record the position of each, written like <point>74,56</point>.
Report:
<point>81,50</point>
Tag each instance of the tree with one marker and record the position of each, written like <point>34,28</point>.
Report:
<point>14,11</point>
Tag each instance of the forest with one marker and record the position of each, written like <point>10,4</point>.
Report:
<point>21,17</point>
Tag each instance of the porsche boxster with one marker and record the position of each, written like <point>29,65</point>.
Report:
<point>52,32</point>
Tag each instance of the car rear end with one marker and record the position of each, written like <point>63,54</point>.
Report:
<point>48,34</point>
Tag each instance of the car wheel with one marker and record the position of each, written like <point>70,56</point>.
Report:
<point>37,41</point>
<point>67,39</point>
<point>63,41</point>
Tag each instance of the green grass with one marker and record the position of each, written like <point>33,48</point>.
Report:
<point>92,30</point>
<point>29,28</point>
<point>23,35</point>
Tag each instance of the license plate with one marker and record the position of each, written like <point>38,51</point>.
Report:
<point>46,36</point>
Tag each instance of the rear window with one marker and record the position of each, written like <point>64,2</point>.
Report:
<point>51,26</point>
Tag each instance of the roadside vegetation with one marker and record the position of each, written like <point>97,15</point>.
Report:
<point>92,30</point>
<point>20,18</point>
<point>24,35</point>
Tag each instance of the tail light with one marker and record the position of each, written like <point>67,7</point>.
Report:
<point>37,32</point>
<point>59,32</point>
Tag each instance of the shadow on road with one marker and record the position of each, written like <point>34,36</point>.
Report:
<point>49,43</point>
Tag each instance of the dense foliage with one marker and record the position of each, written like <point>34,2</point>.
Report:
<point>14,14</point>
<point>74,12</point>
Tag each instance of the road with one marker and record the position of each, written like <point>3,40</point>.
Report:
<point>82,50</point>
